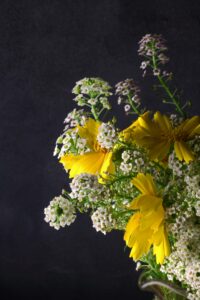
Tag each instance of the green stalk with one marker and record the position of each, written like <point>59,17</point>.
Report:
<point>171,96</point>
<point>165,86</point>
<point>93,111</point>
<point>135,109</point>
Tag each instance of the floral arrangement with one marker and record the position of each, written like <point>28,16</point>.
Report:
<point>143,180</point>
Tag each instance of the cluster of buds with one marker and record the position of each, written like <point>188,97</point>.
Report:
<point>93,93</point>
<point>152,48</point>
<point>128,94</point>
<point>75,118</point>
<point>70,142</point>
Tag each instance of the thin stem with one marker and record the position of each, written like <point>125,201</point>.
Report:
<point>121,178</point>
<point>93,111</point>
<point>160,283</point>
<point>170,94</point>
<point>133,106</point>
<point>165,86</point>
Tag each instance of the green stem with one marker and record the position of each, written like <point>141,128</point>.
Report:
<point>121,178</point>
<point>160,283</point>
<point>135,109</point>
<point>170,94</point>
<point>165,86</point>
<point>93,111</point>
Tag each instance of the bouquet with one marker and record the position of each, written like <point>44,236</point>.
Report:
<point>143,179</point>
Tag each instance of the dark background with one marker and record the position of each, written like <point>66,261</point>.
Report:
<point>45,46</point>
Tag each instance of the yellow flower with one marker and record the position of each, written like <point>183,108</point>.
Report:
<point>146,227</point>
<point>158,135</point>
<point>97,162</point>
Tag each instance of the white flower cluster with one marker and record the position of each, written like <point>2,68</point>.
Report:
<point>70,142</point>
<point>132,161</point>
<point>175,165</point>
<point>197,208</point>
<point>128,94</point>
<point>92,91</point>
<point>175,120</point>
<point>126,87</point>
<point>102,220</point>
<point>60,213</point>
<point>75,118</point>
<point>87,190</point>
<point>153,45</point>
<point>195,143</point>
<point>193,185</point>
<point>107,135</point>
<point>183,264</point>
<point>150,41</point>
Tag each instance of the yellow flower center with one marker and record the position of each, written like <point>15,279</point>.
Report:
<point>174,135</point>
<point>97,148</point>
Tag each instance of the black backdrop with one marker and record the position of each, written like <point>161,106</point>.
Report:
<point>45,46</point>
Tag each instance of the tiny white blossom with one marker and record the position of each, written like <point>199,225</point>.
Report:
<point>107,135</point>
<point>127,107</point>
<point>102,220</point>
<point>60,213</point>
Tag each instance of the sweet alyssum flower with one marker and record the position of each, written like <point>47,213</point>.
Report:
<point>60,212</point>
<point>146,227</point>
<point>97,161</point>
<point>158,135</point>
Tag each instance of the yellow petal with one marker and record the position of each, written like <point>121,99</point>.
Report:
<point>131,226</point>
<point>183,152</point>
<point>69,160</point>
<point>163,122</point>
<point>161,246</point>
<point>137,239</point>
<point>142,244</point>
<point>144,183</point>
<point>152,218</point>
<point>107,167</point>
<point>145,202</point>
<point>127,133</point>
<point>195,131</point>
<point>89,132</point>
<point>189,126</point>
<point>87,163</point>
<point>154,135</point>
<point>146,227</point>
<point>160,149</point>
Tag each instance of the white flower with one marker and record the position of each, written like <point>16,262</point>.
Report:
<point>107,135</point>
<point>76,117</point>
<point>132,161</point>
<point>60,213</point>
<point>197,207</point>
<point>92,101</point>
<point>127,107</point>
<point>102,220</point>
<point>175,165</point>
<point>126,167</point>
<point>92,91</point>
<point>183,263</point>
<point>126,156</point>
<point>87,190</point>
<point>105,103</point>
<point>70,142</point>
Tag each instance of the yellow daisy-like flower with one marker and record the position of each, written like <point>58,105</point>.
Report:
<point>97,162</point>
<point>158,135</point>
<point>146,227</point>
